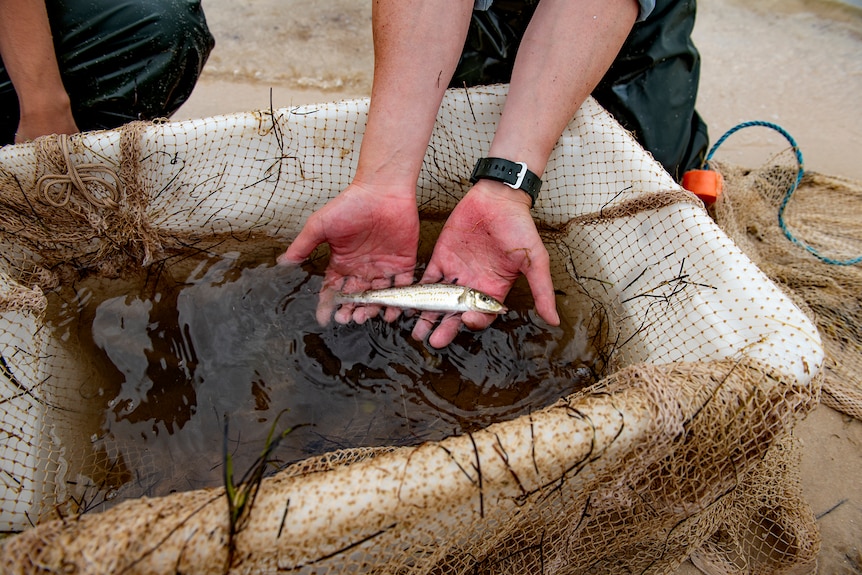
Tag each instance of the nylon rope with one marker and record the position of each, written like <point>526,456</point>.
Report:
<point>781,208</point>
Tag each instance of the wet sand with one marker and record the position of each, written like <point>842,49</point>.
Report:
<point>797,63</point>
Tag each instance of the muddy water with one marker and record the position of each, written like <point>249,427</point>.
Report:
<point>202,354</point>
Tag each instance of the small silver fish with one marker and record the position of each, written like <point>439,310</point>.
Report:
<point>427,297</point>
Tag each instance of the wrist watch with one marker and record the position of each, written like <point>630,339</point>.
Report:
<point>513,174</point>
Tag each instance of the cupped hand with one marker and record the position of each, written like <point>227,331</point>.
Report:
<point>489,239</point>
<point>373,235</point>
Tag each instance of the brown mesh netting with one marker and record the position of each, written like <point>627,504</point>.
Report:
<point>822,213</point>
<point>673,455</point>
<point>683,447</point>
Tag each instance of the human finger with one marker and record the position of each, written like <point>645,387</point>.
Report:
<point>542,287</point>
<point>445,331</point>
<point>476,320</point>
<point>424,325</point>
<point>301,247</point>
<point>325,305</point>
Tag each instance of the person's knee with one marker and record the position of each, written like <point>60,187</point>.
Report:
<point>176,25</point>
<point>124,60</point>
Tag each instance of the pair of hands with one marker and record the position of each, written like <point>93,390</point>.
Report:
<point>487,242</point>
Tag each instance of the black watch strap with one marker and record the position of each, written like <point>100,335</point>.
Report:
<point>513,174</point>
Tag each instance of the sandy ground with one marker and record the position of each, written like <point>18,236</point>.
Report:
<point>797,63</point>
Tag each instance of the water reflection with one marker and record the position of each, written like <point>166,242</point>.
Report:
<point>236,340</point>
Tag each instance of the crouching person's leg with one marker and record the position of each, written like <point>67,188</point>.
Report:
<point>121,60</point>
<point>651,87</point>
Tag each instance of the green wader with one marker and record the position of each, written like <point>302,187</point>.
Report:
<point>121,60</point>
<point>650,89</point>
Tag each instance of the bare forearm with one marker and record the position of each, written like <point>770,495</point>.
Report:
<point>417,46</point>
<point>566,50</point>
<point>27,49</point>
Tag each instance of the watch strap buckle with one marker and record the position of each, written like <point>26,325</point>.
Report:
<point>516,185</point>
<point>504,171</point>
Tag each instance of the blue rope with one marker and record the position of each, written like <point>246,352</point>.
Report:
<point>781,223</point>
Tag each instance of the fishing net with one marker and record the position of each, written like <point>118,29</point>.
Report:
<point>683,447</point>
<point>813,255</point>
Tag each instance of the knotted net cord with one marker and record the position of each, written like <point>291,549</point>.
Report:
<point>57,189</point>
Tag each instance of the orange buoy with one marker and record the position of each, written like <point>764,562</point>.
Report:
<point>705,184</point>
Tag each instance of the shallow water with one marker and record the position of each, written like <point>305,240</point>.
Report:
<point>203,353</point>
